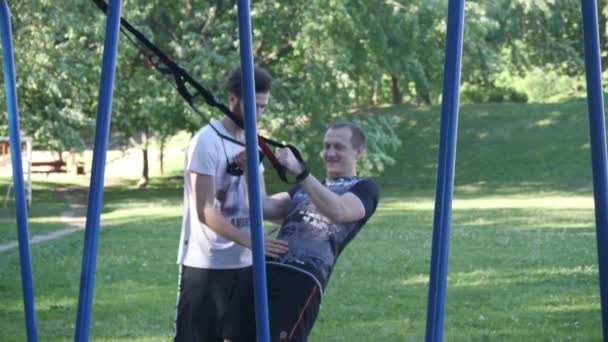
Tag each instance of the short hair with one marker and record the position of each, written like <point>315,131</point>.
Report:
<point>263,81</point>
<point>358,137</point>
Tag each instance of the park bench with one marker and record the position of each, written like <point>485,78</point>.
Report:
<point>56,166</point>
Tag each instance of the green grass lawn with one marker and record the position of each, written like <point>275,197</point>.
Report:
<point>523,258</point>
<point>47,204</point>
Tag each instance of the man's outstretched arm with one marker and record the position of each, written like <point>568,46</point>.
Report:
<point>204,195</point>
<point>274,207</point>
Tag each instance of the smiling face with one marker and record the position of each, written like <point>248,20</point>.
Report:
<point>339,154</point>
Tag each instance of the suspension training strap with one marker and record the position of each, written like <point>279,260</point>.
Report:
<point>166,65</point>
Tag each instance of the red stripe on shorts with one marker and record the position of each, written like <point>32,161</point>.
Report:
<point>308,301</point>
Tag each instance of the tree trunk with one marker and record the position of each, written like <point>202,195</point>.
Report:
<point>60,154</point>
<point>145,174</point>
<point>395,90</point>
<point>426,98</point>
<point>162,156</point>
<point>143,182</point>
<point>375,94</point>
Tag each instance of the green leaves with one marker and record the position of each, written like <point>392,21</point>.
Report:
<point>382,143</point>
<point>327,57</point>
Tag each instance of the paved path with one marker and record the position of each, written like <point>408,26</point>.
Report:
<point>74,218</point>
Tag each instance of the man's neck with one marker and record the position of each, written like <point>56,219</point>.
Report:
<point>231,127</point>
<point>346,175</point>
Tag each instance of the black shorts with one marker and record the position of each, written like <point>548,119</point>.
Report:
<point>211,304</point>
<point>294,299</point>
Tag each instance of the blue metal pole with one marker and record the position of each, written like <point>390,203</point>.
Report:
<point>597,131</point>
<point>445,172</point>
<point>15,142</point>
<point>255,208</point>
<point>89,255</point>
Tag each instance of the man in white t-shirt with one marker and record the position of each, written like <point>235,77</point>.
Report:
<point>215,245</point>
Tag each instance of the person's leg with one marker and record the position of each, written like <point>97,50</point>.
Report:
<point>239,319</point>
<point>198,310</point>
<point>294,300</point>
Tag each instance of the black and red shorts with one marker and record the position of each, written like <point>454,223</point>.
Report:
<point>294,299</point>
<point>213,304</point>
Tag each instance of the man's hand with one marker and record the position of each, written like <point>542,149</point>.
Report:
<point>273,248</point>
<point>287,159</point>
<point>241,160</point>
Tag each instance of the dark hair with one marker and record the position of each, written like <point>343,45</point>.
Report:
<point>262,78</point>
<point>358,137</point>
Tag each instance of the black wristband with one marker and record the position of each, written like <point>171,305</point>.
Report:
<point>305,173</point>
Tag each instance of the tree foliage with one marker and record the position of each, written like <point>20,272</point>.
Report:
<point>327,57</point>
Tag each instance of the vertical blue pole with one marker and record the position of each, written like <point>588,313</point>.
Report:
<point>597,131</point>
<point>255,208</point>
<point>89,255</point>
<point>445,172</point>
<point>15,142</point>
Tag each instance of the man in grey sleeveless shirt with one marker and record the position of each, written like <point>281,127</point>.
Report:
<point>319,219</point>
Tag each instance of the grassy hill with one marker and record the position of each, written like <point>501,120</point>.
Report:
<point>502,148</point>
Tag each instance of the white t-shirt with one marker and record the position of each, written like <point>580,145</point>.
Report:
<point>201,247</point>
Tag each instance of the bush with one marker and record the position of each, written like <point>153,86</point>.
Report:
<point>472,94</point>
<point>497,95</point>
<point>542,85</point>
<point>518,96</point>
<point>478,94</point>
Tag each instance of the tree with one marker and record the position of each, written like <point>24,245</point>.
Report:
<point>53,86</point>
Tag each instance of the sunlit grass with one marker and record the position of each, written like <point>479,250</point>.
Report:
<point>500,202</point>
<point>149,211</point>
